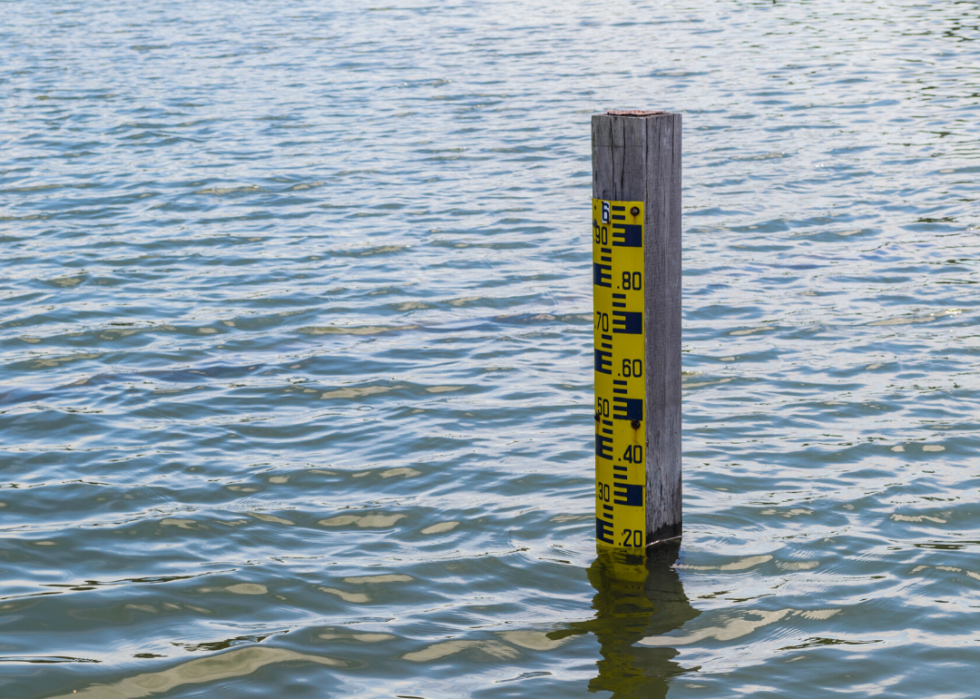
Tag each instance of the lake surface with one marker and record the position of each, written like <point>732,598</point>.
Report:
<point>296,350</point>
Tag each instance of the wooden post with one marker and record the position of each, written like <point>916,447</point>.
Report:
<point>636,189</point>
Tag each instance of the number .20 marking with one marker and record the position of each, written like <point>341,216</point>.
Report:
<point>632,537</point>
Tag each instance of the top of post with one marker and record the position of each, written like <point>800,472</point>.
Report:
<point>627,128</point>
<point>633,113</point>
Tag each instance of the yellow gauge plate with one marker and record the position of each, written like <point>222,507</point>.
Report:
<point>620,392</point>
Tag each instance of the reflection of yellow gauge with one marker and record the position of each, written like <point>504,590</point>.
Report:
<point>620,428</point>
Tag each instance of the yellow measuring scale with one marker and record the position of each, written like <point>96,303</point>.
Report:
<point>620,392</point>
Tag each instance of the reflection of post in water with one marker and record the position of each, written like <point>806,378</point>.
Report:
<point>636,596</point>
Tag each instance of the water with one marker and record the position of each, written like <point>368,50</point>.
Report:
<point>296,350</point>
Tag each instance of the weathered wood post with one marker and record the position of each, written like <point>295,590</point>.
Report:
<point>636,270</point>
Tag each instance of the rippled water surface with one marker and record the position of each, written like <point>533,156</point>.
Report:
<point>296,350</point>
